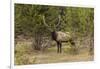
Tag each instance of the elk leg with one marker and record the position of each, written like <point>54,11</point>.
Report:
<point>60,47</point>
<point>75,50</point>
<point>72,42</point>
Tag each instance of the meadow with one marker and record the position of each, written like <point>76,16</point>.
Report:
<point>25,54</point>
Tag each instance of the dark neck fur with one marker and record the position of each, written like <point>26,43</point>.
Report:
<point>54,35</point>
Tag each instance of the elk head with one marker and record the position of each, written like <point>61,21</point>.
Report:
<point>53,29</point>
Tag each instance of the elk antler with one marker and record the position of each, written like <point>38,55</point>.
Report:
<point>59,19</point>
<point>44,22</point>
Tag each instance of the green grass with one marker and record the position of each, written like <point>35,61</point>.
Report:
<point>24,54</point>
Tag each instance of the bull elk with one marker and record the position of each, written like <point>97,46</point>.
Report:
<point>58,36</point>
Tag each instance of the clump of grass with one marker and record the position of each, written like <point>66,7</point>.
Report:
<point>25,59</point>
<point>23,54</point>
<point>70,50</point>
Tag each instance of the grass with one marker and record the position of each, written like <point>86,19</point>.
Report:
<point>24,54</point>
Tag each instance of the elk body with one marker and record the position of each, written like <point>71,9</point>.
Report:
<point>60,37</point>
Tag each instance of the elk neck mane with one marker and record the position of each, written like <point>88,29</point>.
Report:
<point>54,35</point>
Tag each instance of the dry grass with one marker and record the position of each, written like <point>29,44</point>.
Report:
<point>24,54</point>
